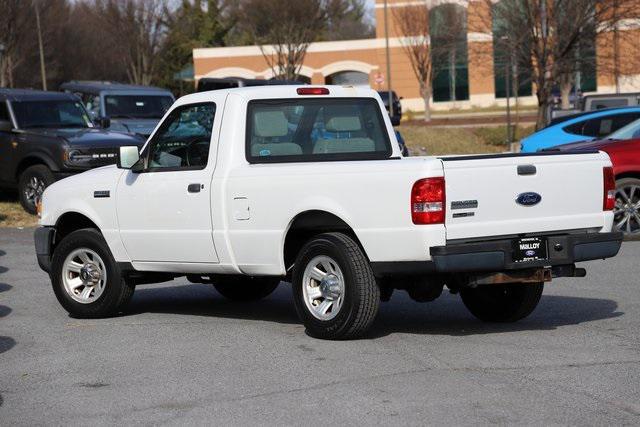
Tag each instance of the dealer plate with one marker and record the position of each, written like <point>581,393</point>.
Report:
<point>530,249</point>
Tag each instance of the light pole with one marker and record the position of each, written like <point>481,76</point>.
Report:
<point>1,68</point>
<point>507,79</point>
<point>386,41</point>
<point>43,72</point>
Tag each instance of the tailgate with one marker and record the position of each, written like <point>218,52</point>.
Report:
<point>498,195</point>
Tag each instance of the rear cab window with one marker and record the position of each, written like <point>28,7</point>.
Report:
<point>298,130</point>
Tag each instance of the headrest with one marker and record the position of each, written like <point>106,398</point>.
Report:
<point>270,123</point>
<point>342,119</point>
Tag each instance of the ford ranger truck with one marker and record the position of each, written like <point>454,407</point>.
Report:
<point>247,187</point>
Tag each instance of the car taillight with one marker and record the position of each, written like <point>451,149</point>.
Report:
<point>312,91</point>
<point>609,195</point>
<point>428,201</point>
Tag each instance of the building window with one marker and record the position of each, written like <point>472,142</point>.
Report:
<point>512,63</point>
<point>448,32</point>
<point>508,64</point>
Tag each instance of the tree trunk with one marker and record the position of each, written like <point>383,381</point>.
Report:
<point>565,92</point>
<point>426,98</point>
<point>543,108</point>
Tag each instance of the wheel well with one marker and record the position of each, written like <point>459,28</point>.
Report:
<point>308,224</point>
<point>70,222</point>
<point>28,162</point>
<point>635,175</point>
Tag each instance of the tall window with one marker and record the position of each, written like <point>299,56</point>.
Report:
<point>448,32</point>
<point>508,64</point>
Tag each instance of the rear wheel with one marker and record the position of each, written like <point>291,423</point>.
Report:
<point>502,303</point>
<point>334,290</point>
<point>246,288</point>
<point>627,209</point>
<point>32,184</point>
<point>86,278</point>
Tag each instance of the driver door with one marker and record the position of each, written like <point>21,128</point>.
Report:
<point>164,210</point>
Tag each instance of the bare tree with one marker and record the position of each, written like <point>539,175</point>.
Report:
<point>553,31</point>
<point>13,21</point>
<point>137,29</point>
<point>413,23</point>
<point>283,30</point>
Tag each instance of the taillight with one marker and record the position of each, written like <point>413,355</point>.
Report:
<point>609,194</point>
<point>312,91</point>
<point>428,201</point>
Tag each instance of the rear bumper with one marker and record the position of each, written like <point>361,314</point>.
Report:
<point>496,255</point>
<point>43,237</point>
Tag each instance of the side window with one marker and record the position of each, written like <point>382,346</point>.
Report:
<point>91,103</point>
<point>575,129</point>
<point>603,126</point>
<point>598,127</point>
<point>4,111</point>
<point>183,139</point>
<point>599,104</point>
<point>624,119</point>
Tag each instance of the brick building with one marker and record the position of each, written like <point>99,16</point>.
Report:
<point>477,80</point>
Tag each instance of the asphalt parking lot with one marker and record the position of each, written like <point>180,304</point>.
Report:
<point>182,354</point>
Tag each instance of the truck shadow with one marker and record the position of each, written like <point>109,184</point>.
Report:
<point>448,316</point>
<point>203,300</point>
<point>445,316</point>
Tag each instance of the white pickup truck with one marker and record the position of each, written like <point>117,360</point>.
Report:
<point>245,188</point>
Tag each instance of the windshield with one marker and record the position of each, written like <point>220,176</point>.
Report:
<point>137,106</point>
<point>630,131</point>
<point>50,114</point>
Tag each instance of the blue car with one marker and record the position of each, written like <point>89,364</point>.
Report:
<point>580,127</point>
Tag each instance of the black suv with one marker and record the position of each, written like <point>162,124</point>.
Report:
<point>46,136</point>
<point>395,101</point>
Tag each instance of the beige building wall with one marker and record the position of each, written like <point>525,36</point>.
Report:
<point>369,56</point>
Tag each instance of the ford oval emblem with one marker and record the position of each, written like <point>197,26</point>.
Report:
<point>528,199</point>
<point>530,253</point>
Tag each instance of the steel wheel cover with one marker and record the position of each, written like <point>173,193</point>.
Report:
<point>323,287</point>
<point>84,275</point>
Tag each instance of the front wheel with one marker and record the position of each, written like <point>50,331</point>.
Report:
<point>335,293</point>
<point>86,278</point>
<point>502,303</point>
<point>32,184</point>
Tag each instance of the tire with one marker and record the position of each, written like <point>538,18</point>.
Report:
<point>502,303</point>
<point>627,209</point>
<point>32,183</point>
<point>348,287</point>
<point>108,297</point>
<point>247,288</point>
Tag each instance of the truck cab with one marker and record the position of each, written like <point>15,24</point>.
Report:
<point>245,188</point>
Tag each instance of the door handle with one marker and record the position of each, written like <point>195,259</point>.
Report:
<point>194,188</point>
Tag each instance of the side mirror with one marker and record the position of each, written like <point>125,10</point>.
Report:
<point>128,156</point>
<point>5,126</point>
<point>103,122</point>
<point>395,120</point>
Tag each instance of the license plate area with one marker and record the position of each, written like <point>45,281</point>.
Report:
<point>530,249</point>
